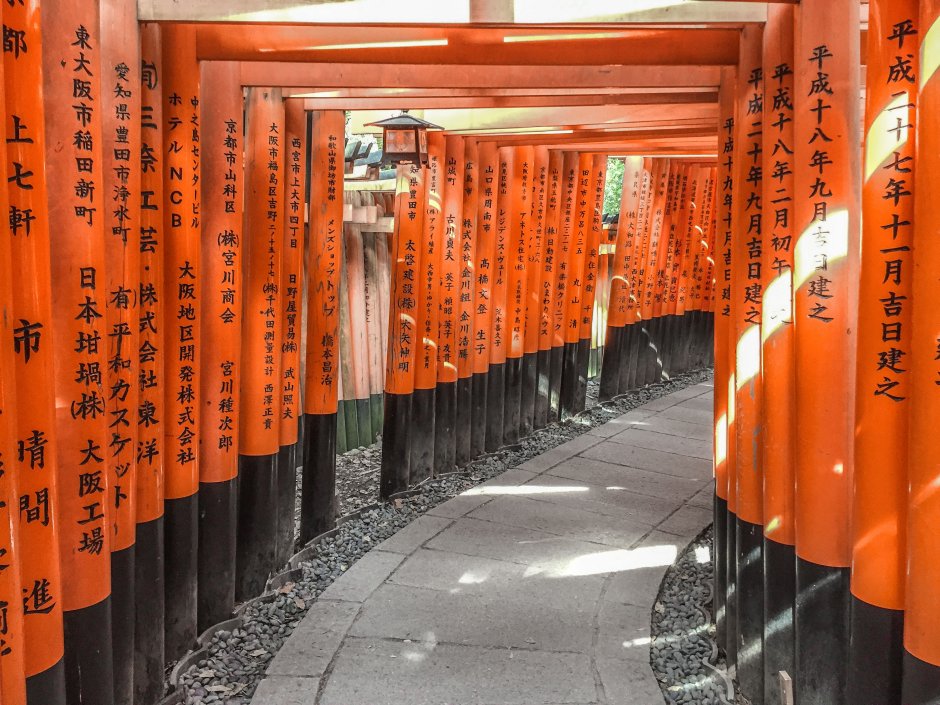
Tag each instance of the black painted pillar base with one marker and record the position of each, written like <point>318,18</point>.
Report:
<point>554,383</point>
<point>666,345</point>
<point>629,375</point>
<point>445,428</point>
<point>584,361</point>
<point>569,381</point>
<point>89,669</point>
<point>495,394</point>
<point>750,595</point>
<point>257,524</point>
<point>350,422</point>
<point>610,370</point>
<point>397,437</point>
<point>48,687</point>
<point>462,432</point>
<point>286,500</point>
<point>218,528</point>
<point>375,412</point>
<point>148,613</point>
<point>543,373</point>
<point>921,682</point>
<point>821,627</point>
<point>318,488</point>
<point>364,419</point>
<point>341,446</point>
<point>512,400</point>
<point>122,623</point>
<point>731,596</point>
<point>720,562</point>
<point>530,382</point>
<point>423,419</point>
<point>180,568</point>
<point>779,598</point>
<point>876,654</point>
<point>478,400</point>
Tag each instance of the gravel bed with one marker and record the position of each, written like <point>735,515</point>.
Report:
<point>683,653</point>
<point>237,658</point>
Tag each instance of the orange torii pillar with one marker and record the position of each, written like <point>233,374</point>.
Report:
<point>534,392</point>
<point>921,611</point>
<point>261,335</point>
<point>678,234</point>
<point>74,173</point>
<point>779,400</point>
<point>560,217</point>
<point>616,342</point>
<point>292,266</point>
<point>120,70</point>
<point>404,336</point>
<point>879,528</point>
<point>724,372</point>
<point>657,280</point>
<point>450,180</point>
<point>747,296</point>
<point>498,341</point>
<point>151,416</point>
<point>636,336</point>
<point>221,196</point>
<point>423,407</point>
<point>519,206</point>
<point>183,285</point>
<point>484,271</point>
<point>698,304</point>
<point>594,228</point>
<point>647,358</point>
<point>318,492</point>
<point>690,229</point>
<point>826,207</point>
<point>549,267</point>
<point>13,664</point>
<point>469,172</point>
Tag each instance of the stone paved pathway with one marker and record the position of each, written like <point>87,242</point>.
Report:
<point>534,588</point>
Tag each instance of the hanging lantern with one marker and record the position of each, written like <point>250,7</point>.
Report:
<point>405,139</point>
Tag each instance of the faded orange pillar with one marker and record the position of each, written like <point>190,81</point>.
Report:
<point>883,389</point>
<point>74,176</point>
<point>826,208</point>
<point>921,665</point>
<point>779,385</point>
<point>484,272</point>
<point>183,296</point>
<point>151,416</point>
<point>450,180</point>
<point>469,172</point>
<point>592,246</point>
<point>222,194</point>
<point>261,335</point>
<point>318,496</point>
<point>534,408</point>
<point>120,71</point>
<point>747,299</point>
<point>724,371</point>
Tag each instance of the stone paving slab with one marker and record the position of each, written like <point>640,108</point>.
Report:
<point>534,588</point>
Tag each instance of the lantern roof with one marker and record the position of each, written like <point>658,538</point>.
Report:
<point>405,120</point>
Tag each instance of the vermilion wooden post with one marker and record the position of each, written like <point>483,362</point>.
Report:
<point>354,334</point>
<point>519,202</point>
<point>660,323</point>
<point>499,335</point>
<point>879,517</point>
<point>593,228</point>
<point>74,174</point>
<point>261,333</point>
<point>723,370</point>
<point>423,408</point>
<point>468,173</point>
<point>534,395</point>
<point>404,336</point>
<point>779,385</point>
<point>747,297</point>
<point>567,165</point>
<point>921,667</point>
<point>348,382</point>
<point>826,183</point>
<point>120,71</point>
<point>678,218</point>
<point>183,286</point>
<point>374,273</point>
<point>35,460</point>
<point>12,638</point>
<point>647,359</point>
<point>690,232</point>
<point>484,273</point>
<point>292,257</point>
<point>221,196</point>
<point>449,236</point>
<point>318,494</point>
<point>636,338</point>
<point>546,293</point>
<point>151,416</point>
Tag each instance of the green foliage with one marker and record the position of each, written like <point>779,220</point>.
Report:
<point>614,186</point>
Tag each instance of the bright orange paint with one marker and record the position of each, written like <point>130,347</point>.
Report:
<point>429,270</point>
<point>468,241</point>
<point>485,255</point>
<point>449,234</point>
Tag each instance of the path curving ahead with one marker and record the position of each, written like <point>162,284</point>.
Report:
<point>534,588</point>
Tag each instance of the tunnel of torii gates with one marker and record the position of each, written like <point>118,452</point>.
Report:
<point>186,297</point>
